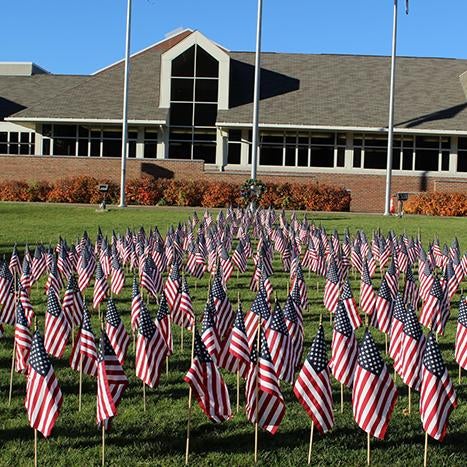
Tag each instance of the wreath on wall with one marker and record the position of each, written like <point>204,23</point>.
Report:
<point>252,191</point>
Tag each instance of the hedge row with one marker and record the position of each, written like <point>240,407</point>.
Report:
<point>437,204</point>
<point>152,191</point>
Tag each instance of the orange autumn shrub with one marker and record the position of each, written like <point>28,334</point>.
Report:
<point>437,204</point>
<point>277,196</point>
<point>145,191</point>
<point>184,192</point>
<point>14,191</point>
<point>219,194</point>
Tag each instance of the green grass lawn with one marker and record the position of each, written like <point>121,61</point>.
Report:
<point>157,436</point>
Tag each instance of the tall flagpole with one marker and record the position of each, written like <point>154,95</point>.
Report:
<point>391,115</point>
<point>254,142</point>
<point>125,106</point>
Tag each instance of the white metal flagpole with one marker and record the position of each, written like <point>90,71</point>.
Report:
<point>256,95</point>
<point>125,106</point>
<point>391,114</point>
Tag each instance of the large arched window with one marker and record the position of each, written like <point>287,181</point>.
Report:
<point>193,105</point>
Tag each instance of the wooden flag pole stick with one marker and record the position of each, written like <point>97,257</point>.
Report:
<point>134,340</point>
<point>181,339</point>
<point>311,442</point>
<point>190,397</point>
<point>368,452</point>
<point>99,311</point>
<point>425,454</point>
<point>35,448</point>
<point>257,390</point>
<point>144,396</point>
<point>11,373</point>
<point>386,343</point>
<point>238,390</point>
<point>460,374</point>
<point>166,367</point>
<point>80,382</point>
<point>410,400</point>
<point>103,443</point>
<point>342,398</point>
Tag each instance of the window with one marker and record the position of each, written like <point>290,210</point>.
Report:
<point>193,108</point>
<point>462,155</point>
<point>234,147</point>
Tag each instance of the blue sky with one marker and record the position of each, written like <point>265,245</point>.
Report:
<point>82,36</point>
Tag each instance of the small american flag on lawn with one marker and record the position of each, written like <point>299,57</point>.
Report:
<point>374,394</point>
<point>43,395</point>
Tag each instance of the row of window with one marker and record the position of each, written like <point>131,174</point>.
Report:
<point>421,153</point>
<point>14,142</point>
<point>77,140</point>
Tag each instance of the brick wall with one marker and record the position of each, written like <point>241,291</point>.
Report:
<point>367,190</point>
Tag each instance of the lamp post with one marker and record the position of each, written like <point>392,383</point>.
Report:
<point>391,115</point>
<point>256,94</point>
<point>125,106</point>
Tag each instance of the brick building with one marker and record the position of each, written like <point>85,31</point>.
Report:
<point>322,118</point>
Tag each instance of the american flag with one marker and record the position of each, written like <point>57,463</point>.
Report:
<point>84,353</point>
<point>151,350</point>
<point>151,278</point>
<point>15,264</point>
<point>280,345</point>
<point>350,305</point>
<point>452,281</point>
<point>344,347</point>
<point>172,287</point>
<point>25,301</point>
<point>54,280</point>
<point>397,328</point>
<point>163,323</point>
<point>63,263</point>
<point>367,294</point>
<point>223,314</point>
<point>136,304</point>
<point>313,386</point>
<point>412,348</point>
<point>461,334</point>
<point>259,310</point>
<point>239,257</point>
<point>225,263</point>
<point>382,314</point>
<point>264,401</point>
<point>23,340</point>
<point>117,276</point>
<point>426,278</point>
<point>209,332</point>
<point>101,288</point>
<point>6,280</point>
<point>298,284</point>
<point>239,341</point>
<point>331,289</point>
<point>57,328</point>
<point>185,317</point>
<point>73,302</point>
<point>374,394</point>
<point>86,266</point>
<point>26,278</point>
<point>392,279</point>
<point>7,313</point>
<point>111,382</point>
<point>38,265</point>
<point>294,322</point>
<point>437,395</point>
<point>410,289</point>
<point>116,332</point>
<point>436,308</point>
<point>207,384</point>
<point>43,395</point>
